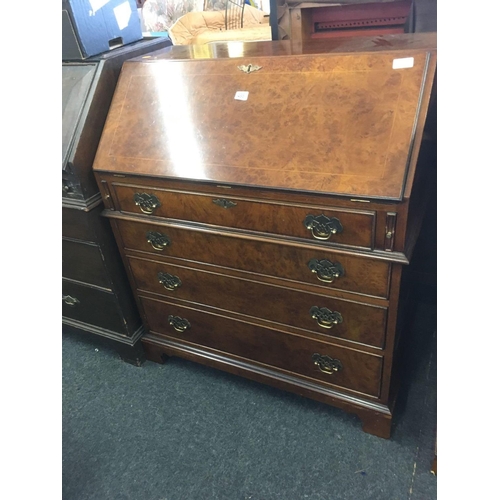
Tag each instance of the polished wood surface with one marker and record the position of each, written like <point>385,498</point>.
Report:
<point>359,322</point>
<point>244,213</point>
<point>368,43</point>
<point>357,115</point>
<point>360,371</point>
<point>266,257</point>
<point>208,204</point>
<point>384,213</point>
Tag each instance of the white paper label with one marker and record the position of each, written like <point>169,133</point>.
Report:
<point>404,62</point>
<point>241,95</point>
<point>122,15</point>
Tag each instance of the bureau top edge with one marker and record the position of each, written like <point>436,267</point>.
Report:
<point>231,50</point>
<point>254,189</point>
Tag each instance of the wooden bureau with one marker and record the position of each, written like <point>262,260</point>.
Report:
<point>265,198</point>
<point>96,297</point>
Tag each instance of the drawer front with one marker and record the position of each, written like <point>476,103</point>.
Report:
<point>317,267</point>
<point>83,225</point>
<point>89,305</point>
<point>328,225</point>
<point>84,262</point>
<point>342,367</point>
<point>78,224</point>
<point>322,315</point>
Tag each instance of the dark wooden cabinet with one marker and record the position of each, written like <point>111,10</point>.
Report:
<point>268,208</point>
<point>96,295</point>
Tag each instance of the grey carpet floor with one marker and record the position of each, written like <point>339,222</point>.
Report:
<point>181,431</point>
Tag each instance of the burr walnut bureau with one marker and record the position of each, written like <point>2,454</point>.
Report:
<point>265,198</point>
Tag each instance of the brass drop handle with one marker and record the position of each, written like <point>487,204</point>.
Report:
<point>146,202</point>
<point>157,240</point>
<point>180,324</point>
<point>71,301</point>
<point>323,227</point>
<point>326,364</point>
<point>326,270</point>
<point>224,203</point>
<point>325,317</point>
<point>169,281</point>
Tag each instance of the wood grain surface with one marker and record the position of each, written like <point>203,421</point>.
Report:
<point>342,124</point>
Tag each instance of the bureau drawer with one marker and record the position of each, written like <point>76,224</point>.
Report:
<point>322,315</point>
<point>84,262</point>
<point>318,223</point>
<point>93,306</point>
<point>260,256</point>
<point>357,371</point>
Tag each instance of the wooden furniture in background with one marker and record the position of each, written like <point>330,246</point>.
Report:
<point>310,21</point>
<point>96,295</point>
<point>267,210</point>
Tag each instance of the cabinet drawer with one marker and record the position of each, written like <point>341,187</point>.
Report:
<point>265,257</point>
<point>93,306</point>
<point>84,262</point>
<point>315,313</point>
<point>79,224</point>
<point>318,223</point>
<point>357,371</point>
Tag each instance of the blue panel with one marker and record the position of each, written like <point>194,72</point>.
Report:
<point>96,29</point>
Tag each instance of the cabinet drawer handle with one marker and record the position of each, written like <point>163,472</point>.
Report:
<point>169,281</point>
<point>322,227</point>
<point>325,317</point>
<point>157,240</point>
<point>71,301</point>
<point>146,202</point>
<point>249,68</point>
<point>326,270</point>
<point>179,324</point>
<point>224,203</point>
<point>326,364</point>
